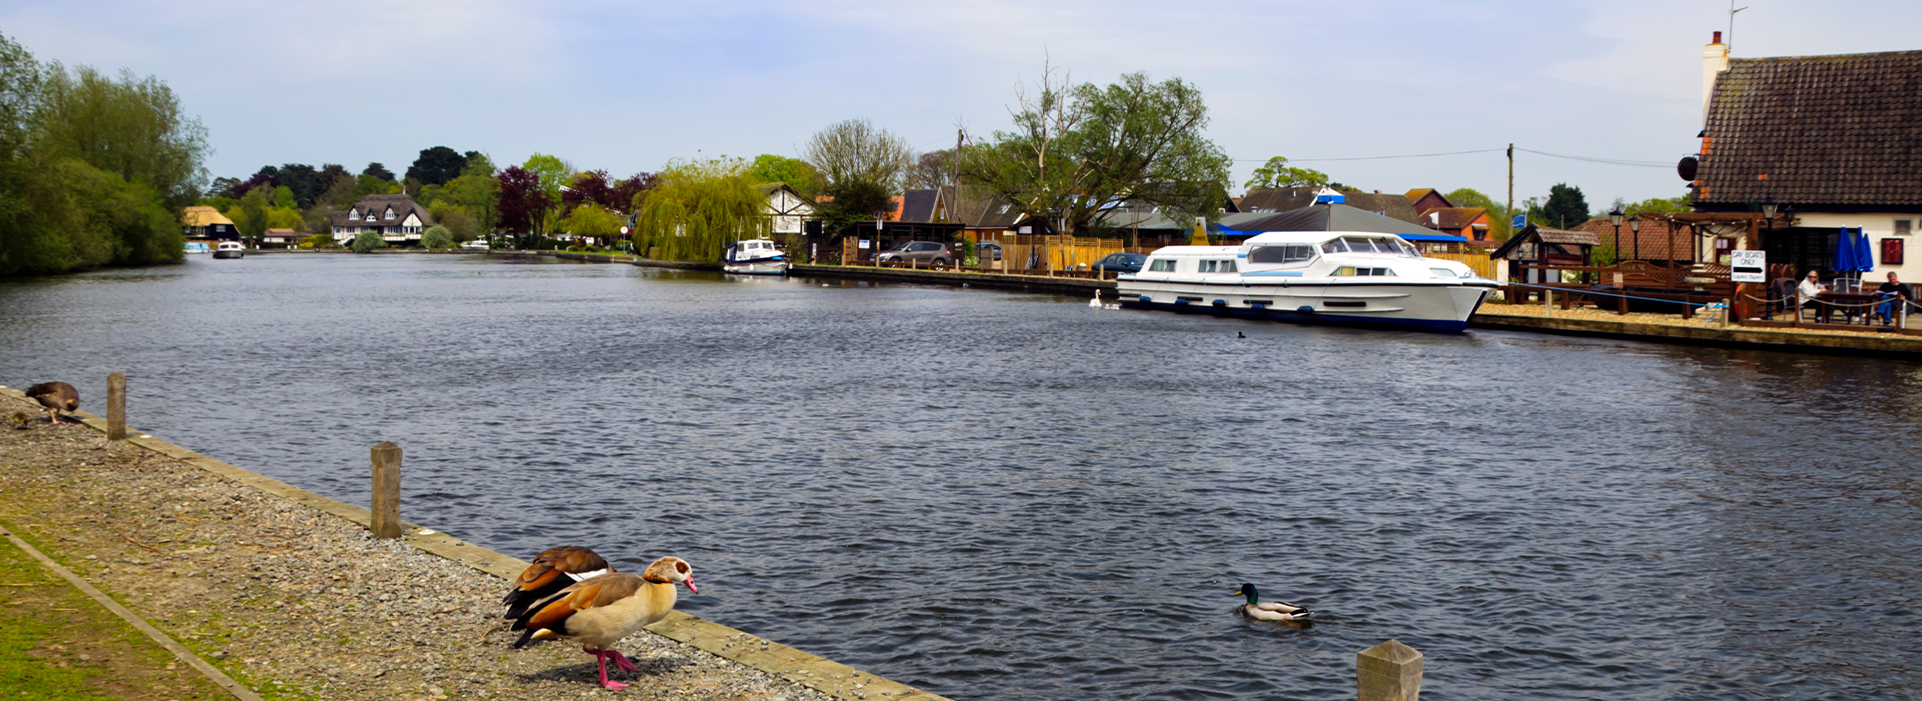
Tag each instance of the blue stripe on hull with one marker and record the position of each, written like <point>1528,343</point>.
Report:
<point>1441,325</point>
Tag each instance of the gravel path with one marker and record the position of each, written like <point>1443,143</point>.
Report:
<point>297,603</point>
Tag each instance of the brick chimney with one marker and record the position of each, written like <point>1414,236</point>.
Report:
<point>1714,61</point>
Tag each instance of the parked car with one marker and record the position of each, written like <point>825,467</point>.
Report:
<point>988,251</point>
<point>929,253</point>
<point>475,245</point>
<point>1121,263</point>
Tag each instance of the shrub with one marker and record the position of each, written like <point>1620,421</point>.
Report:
<point>437,236</point>
<point>367,241</point>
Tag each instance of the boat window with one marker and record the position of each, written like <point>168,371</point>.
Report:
<point>1352,271</point>
<point>1333,247</point>
<point>1162,266</point>
<point>1293,253</point>
<point>1443,272</point>
<point>1227,266</point>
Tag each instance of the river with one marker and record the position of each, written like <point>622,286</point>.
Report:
<point>1015,496</point>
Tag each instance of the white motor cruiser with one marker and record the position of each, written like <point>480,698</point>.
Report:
<point>229,249</point>
<point>754,257</point>
<point>1337,277</point>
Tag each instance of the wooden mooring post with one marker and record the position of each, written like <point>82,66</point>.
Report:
<point>117,407</point>
<point>386,501</point>
<point>1390,671</point>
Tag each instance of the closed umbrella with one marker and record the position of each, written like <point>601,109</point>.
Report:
<point>1845,252</point>
<point>1864,258</point>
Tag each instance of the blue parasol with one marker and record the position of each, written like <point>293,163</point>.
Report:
<point>1864,258</point>
<point>1845,252</point>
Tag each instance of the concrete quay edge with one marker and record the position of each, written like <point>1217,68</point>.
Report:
<point>1024,283</point>
<point>1781,340</point>
<point>815,672</point>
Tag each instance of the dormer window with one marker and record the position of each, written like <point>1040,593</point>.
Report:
<point>370,216</point>
<point>353,213</point>
<point>390,213</point>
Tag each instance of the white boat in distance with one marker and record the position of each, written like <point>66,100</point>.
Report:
<point>1334,277</point>
<point>754,257</point>
<point>229,249</point>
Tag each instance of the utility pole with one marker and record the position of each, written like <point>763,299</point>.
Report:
<point>1510,213</point>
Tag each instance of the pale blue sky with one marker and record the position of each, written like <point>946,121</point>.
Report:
<point>628,86</point>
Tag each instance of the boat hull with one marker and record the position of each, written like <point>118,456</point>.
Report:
<point>1426,307</point>
<point>229,254</point>
<point>765,267</point>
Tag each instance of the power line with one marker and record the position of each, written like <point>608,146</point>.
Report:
<point>1586,159</point>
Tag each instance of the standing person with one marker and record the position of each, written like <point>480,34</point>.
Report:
<point>1893,292</point>
<point>1808,291</point>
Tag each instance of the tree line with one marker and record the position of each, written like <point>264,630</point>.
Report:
<point>94,167</point>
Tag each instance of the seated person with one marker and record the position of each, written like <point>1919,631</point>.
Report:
<point>1807,292</point>
<point>1893,292</point>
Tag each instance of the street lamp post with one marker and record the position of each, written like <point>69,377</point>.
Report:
<point>1635,230</point>
<point>1615,219</point>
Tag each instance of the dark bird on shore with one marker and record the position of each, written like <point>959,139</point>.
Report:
<point>1270,611</point>
<point>553,570</point>
<point>56,397</point>
<point>600,611</point>
<point>1238,335</point>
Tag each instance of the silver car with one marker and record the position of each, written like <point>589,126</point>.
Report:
<point>929,253</point>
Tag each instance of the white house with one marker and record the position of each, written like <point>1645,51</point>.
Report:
<point>397,218</point>
<point>1831,141</point>
<point>786,207</point>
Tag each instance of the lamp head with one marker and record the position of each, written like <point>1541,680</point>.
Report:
<point>1768,208</point>
<point>1635,223</point>
<point>1615,216</point>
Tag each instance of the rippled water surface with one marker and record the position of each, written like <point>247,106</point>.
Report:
<point>1002,496</point>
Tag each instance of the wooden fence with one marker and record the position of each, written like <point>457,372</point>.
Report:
<point>1478,262</point>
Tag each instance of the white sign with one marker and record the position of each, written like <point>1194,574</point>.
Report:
<point>1748,266</point>
<point>864,244</point>
<point>623,231</point>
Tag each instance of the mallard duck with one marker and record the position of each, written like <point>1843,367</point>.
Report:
<point>600,611</point>
<point>56,397</point>
<point>544,577</point>
<point>1271,611</point>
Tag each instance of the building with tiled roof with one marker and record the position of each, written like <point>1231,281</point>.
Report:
<point>397,218</point>
<point>1834,141</point>
<point>1271,200</point>
<point>1427,198</point>
<point>1658,239</point>
<point>1467,222</point>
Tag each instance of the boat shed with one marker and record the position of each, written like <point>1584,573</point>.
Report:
<point>1539,247</point>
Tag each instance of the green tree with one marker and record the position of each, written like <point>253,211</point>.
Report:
<point>437,165</point>
<point>318,241</point>
<point>253,214</point>
<point>1564,209</point>
<point>1277,173</point>
<point>1658,205</point>
<point>769,168</point>
<point>860,167</point>
<point>479,196</point>
<point>367,241</point>
<point>592,221</point>
<point>378,172</point>
<point>478,163</point>
<point>552,171</point>
<point>437,237</point>
<point>698,208</point>
<point>1077,152</point>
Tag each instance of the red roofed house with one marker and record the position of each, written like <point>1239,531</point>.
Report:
<point>1434,211</point>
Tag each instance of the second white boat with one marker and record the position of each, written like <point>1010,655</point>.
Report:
<point>1340,277</point>
<point>754,257</point>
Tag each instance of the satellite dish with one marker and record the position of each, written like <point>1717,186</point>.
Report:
<point>1687,167</point>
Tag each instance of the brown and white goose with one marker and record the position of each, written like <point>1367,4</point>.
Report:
<point>56,397</point>
<point>600,611</point>
<point>553,570</point>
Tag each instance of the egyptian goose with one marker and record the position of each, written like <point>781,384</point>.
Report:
<point>552,571</point>
<point>1271,611</point>
<point>599,612</point>
<point>56,397</point>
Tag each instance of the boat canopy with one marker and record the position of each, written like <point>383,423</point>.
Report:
<point>1336,217</point>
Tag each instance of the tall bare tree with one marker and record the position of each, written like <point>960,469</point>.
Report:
<point>860,166</point>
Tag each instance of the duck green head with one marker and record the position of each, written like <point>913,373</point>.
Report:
<point>1248,590</point>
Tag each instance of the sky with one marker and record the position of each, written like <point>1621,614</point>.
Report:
<point>627,87</point>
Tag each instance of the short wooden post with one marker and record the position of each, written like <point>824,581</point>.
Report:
<point>386,502</point>
<point>1390,671</point>
<point>1726,311</point>
<point>116,407</point>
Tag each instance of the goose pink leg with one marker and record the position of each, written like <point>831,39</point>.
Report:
<point>600,660</point>
<point>621,662</point>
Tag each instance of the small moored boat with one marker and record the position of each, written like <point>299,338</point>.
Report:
<point>229,249</point>
<point>1336,277</point>
<point>197,247</point>
<point>754,257</point>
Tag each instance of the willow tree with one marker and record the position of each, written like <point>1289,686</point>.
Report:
<point>699,207</point>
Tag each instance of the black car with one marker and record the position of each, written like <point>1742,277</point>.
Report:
<point>1121,263</point>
